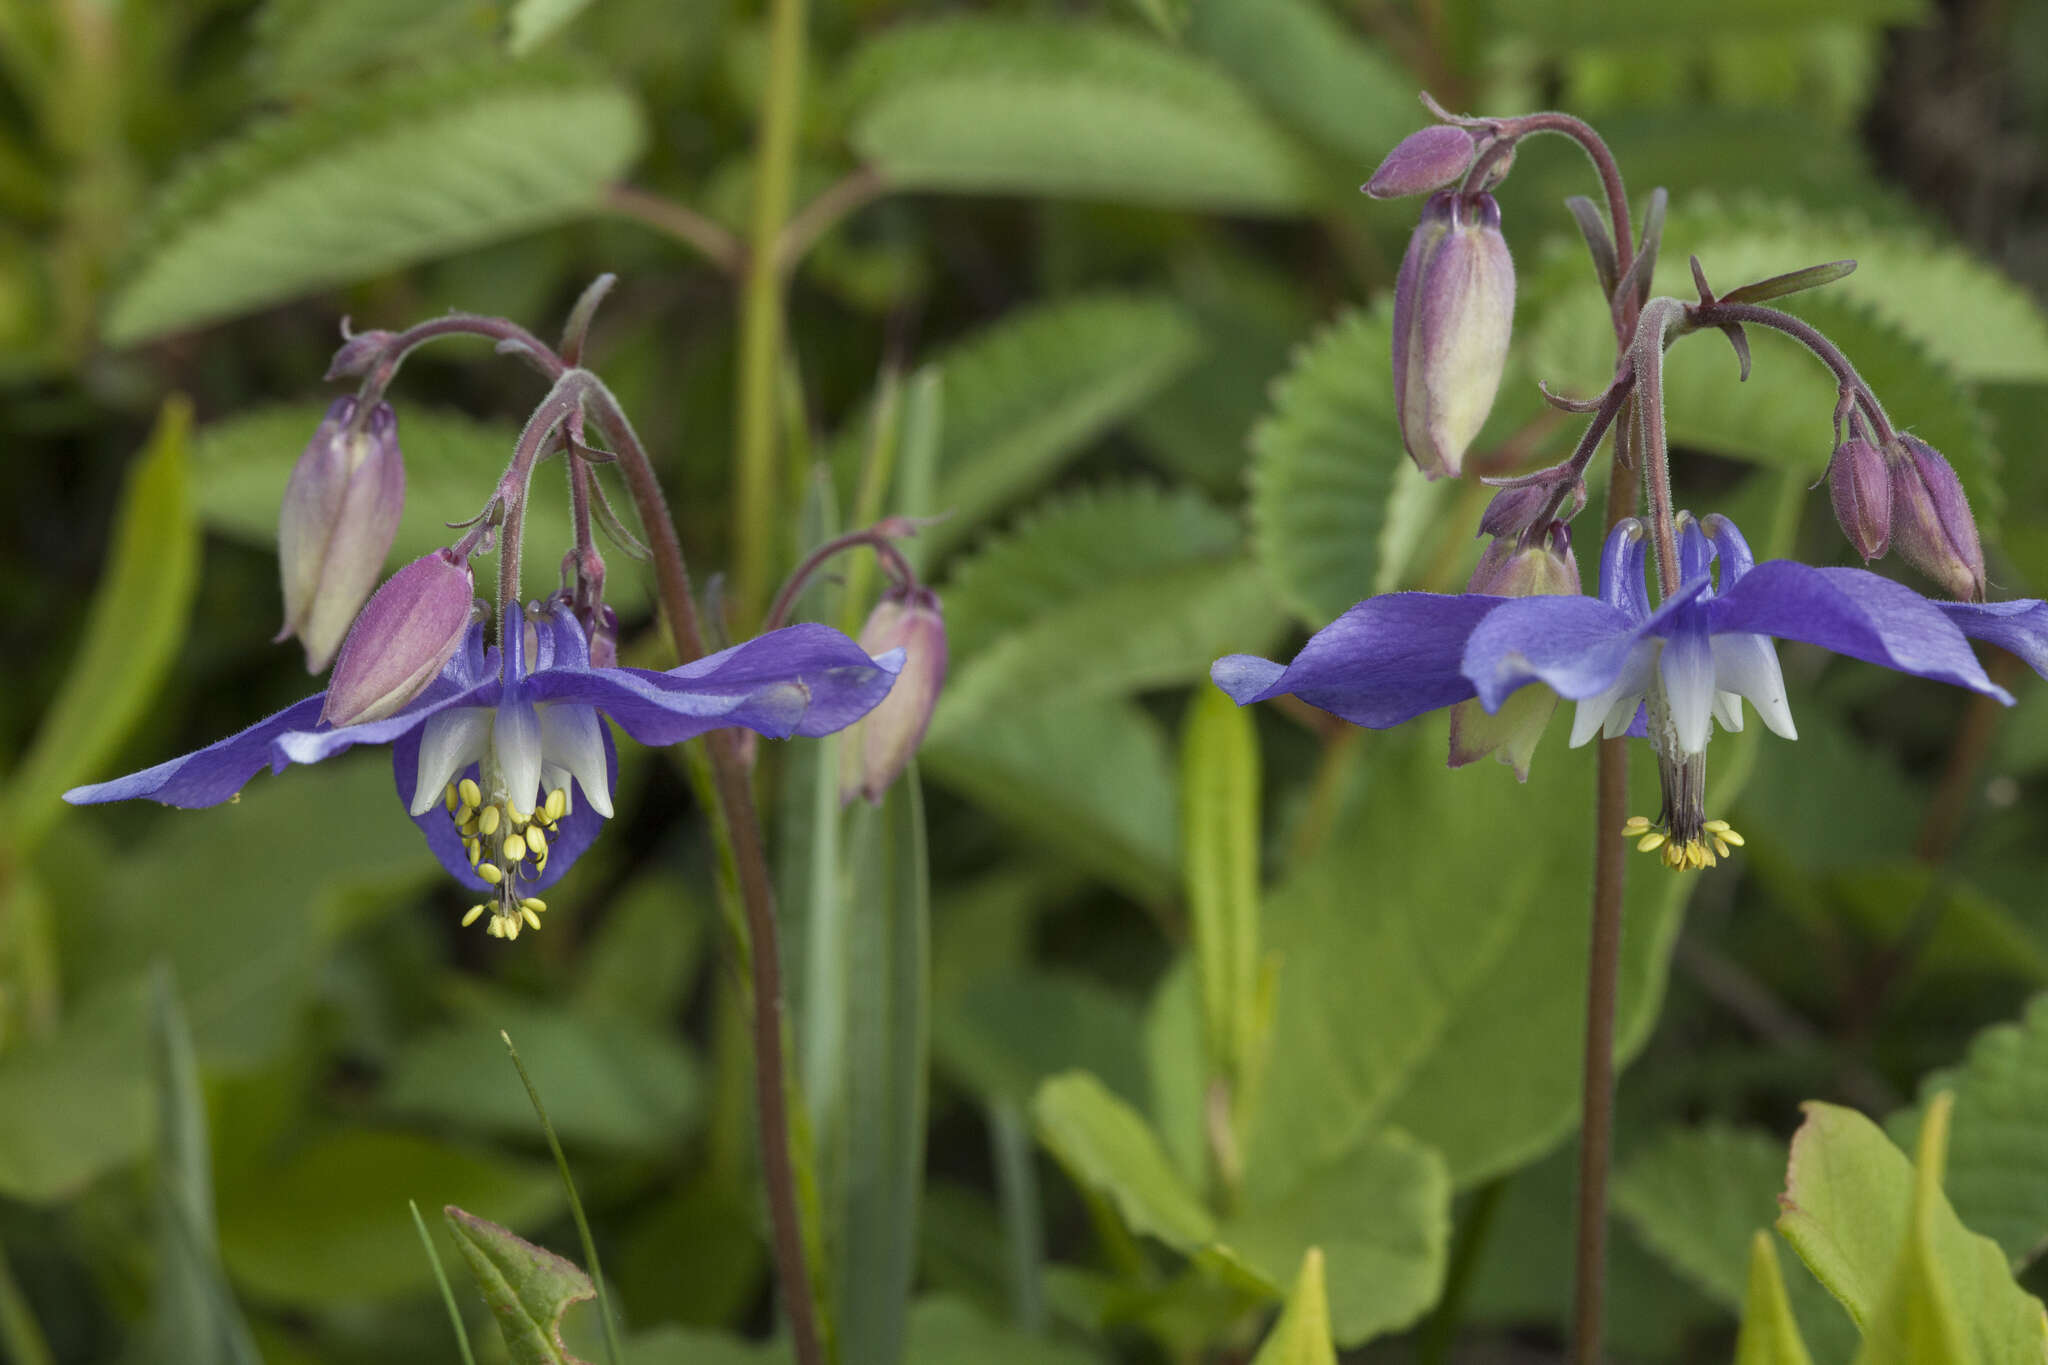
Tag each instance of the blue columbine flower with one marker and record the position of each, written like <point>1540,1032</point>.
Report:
<point>1665,675</point>
<point>508,772</point>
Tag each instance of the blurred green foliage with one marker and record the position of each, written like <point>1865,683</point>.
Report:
<point>1124,1030</point>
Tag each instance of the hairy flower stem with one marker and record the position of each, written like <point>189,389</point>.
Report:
<point>1719,314</point>
<point>762,305</point>
<point>880,541</point>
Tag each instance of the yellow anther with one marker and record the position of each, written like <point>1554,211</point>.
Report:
<point>515,847</point>
<point>558,804</point>
<point>491,873</point>
<point>1651,842</point>
<point>533,903</point>
<point>466,828</point>
<point>487,821</point>
<point>530,917</point>
<point>475,912</point>
<point>448,798</point>
<point>537,841</point>
<point>474,849</point>
<point>1696,854</point>
<point>1715,827</point>
<point>511,923</point>
<point>1729,836</point>
<point>1721,846</point>
<point>1637,824</point>
<point>472,795</point>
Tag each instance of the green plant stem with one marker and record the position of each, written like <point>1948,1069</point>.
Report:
<point>761,308</point>
<point>710,239</point>
<point>447,1290</point>
<point>1023,1225</point>
<point>19,1331</point>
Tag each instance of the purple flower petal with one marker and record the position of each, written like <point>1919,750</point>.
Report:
<point>575,833</point>
<point>1856,613</point>
<point>2019,628</point>
<point>209,776</point>
<point>1577,645</point>
<point>313,745</point>
<point>1384,661</point>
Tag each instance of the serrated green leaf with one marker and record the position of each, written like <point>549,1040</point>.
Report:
<point>1849,1211</point>
<point>393,175</point>
<point>1323,466</point>
<point>134,628</point>
<point>1769,1335</point>
<point>308,45</point>
<point>1382,1215</point>
<point>1314,71</point>
<point>527,1287</point>
<point>352,1186</point>
<point>1438,992</point>
<point>1006,106</point>
<point>1107,1147</point>
<point>1093,781</point>
<point>1301,1336</point>
<point>1997,1165</point>
<point>1032,391</point>
<point>240,467</point>
<point>1916,1321</point>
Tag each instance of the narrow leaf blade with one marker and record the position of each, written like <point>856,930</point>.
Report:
<point>527,1287</point>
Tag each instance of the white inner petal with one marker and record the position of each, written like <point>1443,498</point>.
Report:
<point>570,737</point>
<point>1747,665</point>
<point>1728,710</point>
<point>449,742</point>
<point>515,738</point>
<point>1613,711</point>
<point>1687,670</point>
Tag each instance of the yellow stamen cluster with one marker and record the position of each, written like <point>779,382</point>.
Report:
<point>504,847</point>
<point>1702,850</point>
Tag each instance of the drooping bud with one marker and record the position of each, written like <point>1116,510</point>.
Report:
<point>1862,492</point>
<point>1510,569</point>
<point>877,749</point>
<point>1425,161</point>
<point>1931,523</point>
<point>1454,308</point>
<point>358,351</point>
<point>1514,510</point>
<point>403,639</point>
<point>339,517</point>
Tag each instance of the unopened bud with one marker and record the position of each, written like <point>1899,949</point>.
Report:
<point>881,744</point>
<point>358,351</point>
<point>1514,510</point>
<point>403,639</point>
<point>1862,492</point>
<point>339,517</point>
<point>1454,308</point>
<point>1423,162</point>
<point>1931,523</point>
<point>1509,569</point>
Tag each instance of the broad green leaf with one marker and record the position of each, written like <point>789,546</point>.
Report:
<point>1849,1211</point>
<point>1107,1147</point>
<point>78,1102</point>
<point>608,1081</point>
<point>1002,1035</point>
<point>1312,70</point>
<point>876,1143</point>
<point>1572,23</point>
<point>946,1331</point>
<point>353,1187</point>
<point>1301,1336</point>
<point>1220,841</point>
<point>1916,1321</point>
<point>395,174</point>
<point>1071,543</point>
<point>1440,992</point>
<point>1382,1215</point>
<point>309,45</point>
<point>1997,1167</point>
<point>1769,1335</point>
<point>1031,107</point>
<point>133,631</point>
<point>193,1318</point>
<point>1030,392</point>
<point>1324,462</point>
<point>533,22</point>
<point>240,467</point>
<point>527,1287</point>
<point>690,1346</point>
<point>1092,781</point>
<point>641,960</point>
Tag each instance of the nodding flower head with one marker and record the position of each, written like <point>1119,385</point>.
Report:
<point>1861,489</point>
<point>1454,308</point>
<point>337,522</point>
<point>877,750</point>
<point>402,640</point>
<point>1931,523</point>
<point>1423,162</point>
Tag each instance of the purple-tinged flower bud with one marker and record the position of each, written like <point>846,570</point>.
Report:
<point>339,517</point>
<point>1430,159</point>
<point>1513,510</point>
<point>1931,523</point>
<point>1509,569</point>
<point>879,747</point>
<point>358,351</point>
<point>1454,308</point>
<point>1862,492</point>
<point>403,639</point>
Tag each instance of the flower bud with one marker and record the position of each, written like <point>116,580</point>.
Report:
<point>1424,161</point>
<point>339,517</point>
<point>878,748</point>
<point>1862,492</point>
<point>1510,569</point>
<point>1454,307</point>
<point>358,351</point>
<point>403,639</point>
<point>1513,510</point>
<point>1931,523</point>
